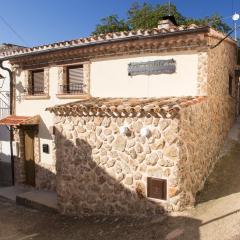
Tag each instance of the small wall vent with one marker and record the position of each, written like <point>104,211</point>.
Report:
<point>157,188</point>
<point>45,148</point>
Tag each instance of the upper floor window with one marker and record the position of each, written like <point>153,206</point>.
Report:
<point>37,85</point>
<point>74,83</point>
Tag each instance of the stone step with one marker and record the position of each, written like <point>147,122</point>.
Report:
<point>40,200</point>
<point>11,193</point>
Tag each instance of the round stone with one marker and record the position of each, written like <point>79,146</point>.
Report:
<point>138,148</point>
<point>133,154</point>
<point>106,122</point>
<point>119,144</point>
<point>128,179</point>
<point>107,131</point>
<point>137,176</point>
<point>98,131</point>
<point>110,163</point>
<point>120,177</point>
<point>131,143</point>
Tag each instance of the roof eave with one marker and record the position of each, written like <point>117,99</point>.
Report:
<point>45,51</point>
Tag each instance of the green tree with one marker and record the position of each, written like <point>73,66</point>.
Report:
<point>111,24</point>
<point>144,16</point>
<point>215,21</point>
<point>147,16</point>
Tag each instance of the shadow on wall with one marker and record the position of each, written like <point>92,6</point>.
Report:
<point>84,188</point>
<point>43,131</point>
<point>5,171</point>
<point>5,157</point>
<point>4,133</point>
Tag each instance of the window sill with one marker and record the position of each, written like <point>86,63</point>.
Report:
<point>72,96</point>
<point>36,97</point>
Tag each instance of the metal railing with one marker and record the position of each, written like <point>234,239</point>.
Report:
<point>4,104</point>
<point>72,88</point>
<point>34,91</point>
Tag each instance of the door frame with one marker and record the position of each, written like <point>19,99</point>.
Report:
<point>29,133</point>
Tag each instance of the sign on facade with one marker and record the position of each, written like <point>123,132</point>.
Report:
<point>152,67</point>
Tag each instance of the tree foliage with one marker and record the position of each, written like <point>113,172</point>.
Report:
<point>146,16</point>
<point>111,24</point>
<point>214,21</point>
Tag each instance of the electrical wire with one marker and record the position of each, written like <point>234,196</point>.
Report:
<point>228,35</point>
<point>13,30</point>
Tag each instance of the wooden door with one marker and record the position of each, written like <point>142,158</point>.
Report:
<point>29,157</point>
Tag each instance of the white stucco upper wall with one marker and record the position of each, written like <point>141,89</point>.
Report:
<point>109,77</point>
<point>31,107</point>
<point>5,84</point>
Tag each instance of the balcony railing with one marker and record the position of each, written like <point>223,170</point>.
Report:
<point>72,88</point>
<point>4,104</point>
<point>35,91</point>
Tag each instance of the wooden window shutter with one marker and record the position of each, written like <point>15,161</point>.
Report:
<point>75,78</point>
<point>38,82</point>
<point>28,82</point>
<point>157,188</point>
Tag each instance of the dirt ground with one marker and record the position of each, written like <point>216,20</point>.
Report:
<point>215,217</point>
<point>21,223</point>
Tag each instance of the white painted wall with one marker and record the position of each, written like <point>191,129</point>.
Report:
<point>37,107</point>
<point>109,77</point>
<point>5,153</point>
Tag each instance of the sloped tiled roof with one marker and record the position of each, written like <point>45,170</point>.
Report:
<point>20,120</point>
<point>106,38</point>
<point>8,47</point>
<point>166,107</point>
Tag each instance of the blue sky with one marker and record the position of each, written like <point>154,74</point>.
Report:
<point>45,21</point>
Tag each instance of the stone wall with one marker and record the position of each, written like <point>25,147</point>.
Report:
<point>203,130</point>
<point>19,169</point>
<point>204,126</point>
<point>100,171</point>
<point>45,174</point>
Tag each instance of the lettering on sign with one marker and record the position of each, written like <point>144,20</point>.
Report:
<point>152,67</point>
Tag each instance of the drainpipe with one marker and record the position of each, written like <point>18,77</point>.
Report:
<point>11,113</point>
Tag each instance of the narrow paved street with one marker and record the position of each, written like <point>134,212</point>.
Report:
<point>216,216</point>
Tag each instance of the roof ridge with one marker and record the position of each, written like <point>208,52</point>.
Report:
<point>104,37</point>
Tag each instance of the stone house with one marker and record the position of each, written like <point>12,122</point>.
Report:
<point>151,111</point>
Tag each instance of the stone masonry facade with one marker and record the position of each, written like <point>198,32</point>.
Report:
<point>100,171</point>
<point>110,175</point>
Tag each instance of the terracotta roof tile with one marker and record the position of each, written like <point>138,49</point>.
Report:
<point>19,120</point>
<point>126,106</point>
<point>104,37</point>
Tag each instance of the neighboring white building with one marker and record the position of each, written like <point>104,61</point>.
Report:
<point>5,151</point>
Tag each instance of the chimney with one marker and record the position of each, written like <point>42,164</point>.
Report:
<point>167,22</point>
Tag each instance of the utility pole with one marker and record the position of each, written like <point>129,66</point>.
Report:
<point>235,18</point>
